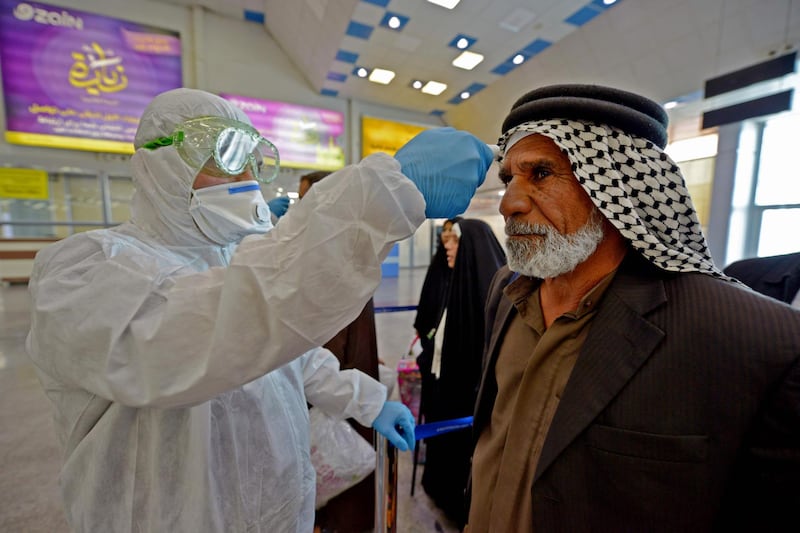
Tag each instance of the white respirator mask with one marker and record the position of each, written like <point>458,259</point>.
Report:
<point>229,212</point>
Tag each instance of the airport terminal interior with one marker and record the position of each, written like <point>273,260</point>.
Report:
<point>332,81</point>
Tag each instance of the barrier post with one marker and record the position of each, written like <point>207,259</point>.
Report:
<point>385,486</point>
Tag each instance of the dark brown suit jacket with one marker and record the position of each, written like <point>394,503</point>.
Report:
<point>682,412</point>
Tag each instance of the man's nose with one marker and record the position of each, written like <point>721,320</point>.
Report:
<point>516,199</point>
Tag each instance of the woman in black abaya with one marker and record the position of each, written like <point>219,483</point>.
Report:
<point>451,327</point>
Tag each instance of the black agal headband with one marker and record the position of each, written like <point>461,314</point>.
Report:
<point>632,113</point>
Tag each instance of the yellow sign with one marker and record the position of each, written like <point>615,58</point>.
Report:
<point>23,184</point>
<point>72,143</point>
<point>378,135</point>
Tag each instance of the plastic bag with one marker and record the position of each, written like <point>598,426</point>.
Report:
<point>341,457</point>
<point>409,380</point>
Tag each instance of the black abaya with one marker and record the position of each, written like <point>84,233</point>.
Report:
<point>462,291</point>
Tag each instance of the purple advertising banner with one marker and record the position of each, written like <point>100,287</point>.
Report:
<point>78,80</point>
<point>306,137</point>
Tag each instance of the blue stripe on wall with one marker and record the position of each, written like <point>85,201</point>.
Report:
<point>254,16</point>
<point>358,30</point>
<point>336,76</point>
<point>503,68</point>
<point>582,16</point>
<point>346,57</point>
<point>535,47</point>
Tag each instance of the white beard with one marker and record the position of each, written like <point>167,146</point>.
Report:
<point>553,254</point>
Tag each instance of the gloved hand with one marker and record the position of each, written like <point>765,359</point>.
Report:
<point>279,205</point>
<point>447,166</point>
<point>392,415</point>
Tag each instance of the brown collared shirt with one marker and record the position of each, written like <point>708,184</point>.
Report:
<point>532,369</point>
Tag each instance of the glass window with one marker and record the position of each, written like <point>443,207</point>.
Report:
<point>76,201</point>
<point>766,199</point>
<point>778,181</point>
<point>81,201</point>
<point>778,235</point>
<point>121,191</point>
<point>30,211</point>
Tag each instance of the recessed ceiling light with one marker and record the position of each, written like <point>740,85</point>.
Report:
<point>394,21</point>
<point>462,41</point>
<point>518,59</point>
<point>467,60</point>
<point>434,87</point>
<point>449,4</point>
<point>383,76</point>
<point>465,95</point>
<point>609,2</point>
<point>670,105</point>
<point>361,72</point>
<point>416,84</point>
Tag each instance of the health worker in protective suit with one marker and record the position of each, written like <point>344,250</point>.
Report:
<point>179,349</point>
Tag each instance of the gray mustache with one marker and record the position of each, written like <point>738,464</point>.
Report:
<point>514,227</point>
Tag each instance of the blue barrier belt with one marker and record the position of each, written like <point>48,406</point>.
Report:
<point>395,308</point>
<point>434,429</point>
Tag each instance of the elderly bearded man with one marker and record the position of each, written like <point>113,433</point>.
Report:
<point>628,384</point>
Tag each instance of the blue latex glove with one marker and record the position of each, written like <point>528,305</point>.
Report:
<point>392,416</point>
<point>279,205</point>
<point>447,166</point>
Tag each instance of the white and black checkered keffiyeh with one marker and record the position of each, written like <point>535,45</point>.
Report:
<point>635,185</point>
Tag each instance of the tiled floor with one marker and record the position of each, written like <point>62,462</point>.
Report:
<point>29,455</point>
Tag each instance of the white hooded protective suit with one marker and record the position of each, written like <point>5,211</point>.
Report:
<point>179,387</point>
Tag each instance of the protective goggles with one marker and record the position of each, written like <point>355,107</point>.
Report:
<point>234,146</point>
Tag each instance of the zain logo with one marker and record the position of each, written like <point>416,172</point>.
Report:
<point>25,11</point>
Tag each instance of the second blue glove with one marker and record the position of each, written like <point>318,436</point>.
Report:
<point>279,205</point>
<point>392,416</point>
<point>447,166</point>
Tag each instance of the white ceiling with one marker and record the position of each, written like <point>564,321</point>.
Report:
<point>665,49</point>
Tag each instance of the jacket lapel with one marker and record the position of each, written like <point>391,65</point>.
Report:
<point>619,342</point>
<point>487,391</point>
<point>501,322</point>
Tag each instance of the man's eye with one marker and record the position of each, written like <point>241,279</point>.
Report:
<point>540,172</point>
<point>504,177</point>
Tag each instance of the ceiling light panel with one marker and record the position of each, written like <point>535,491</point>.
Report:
<point>382,76</point>
<point>467,60</point>
<point>449,4</point>
<point>434,87</point>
